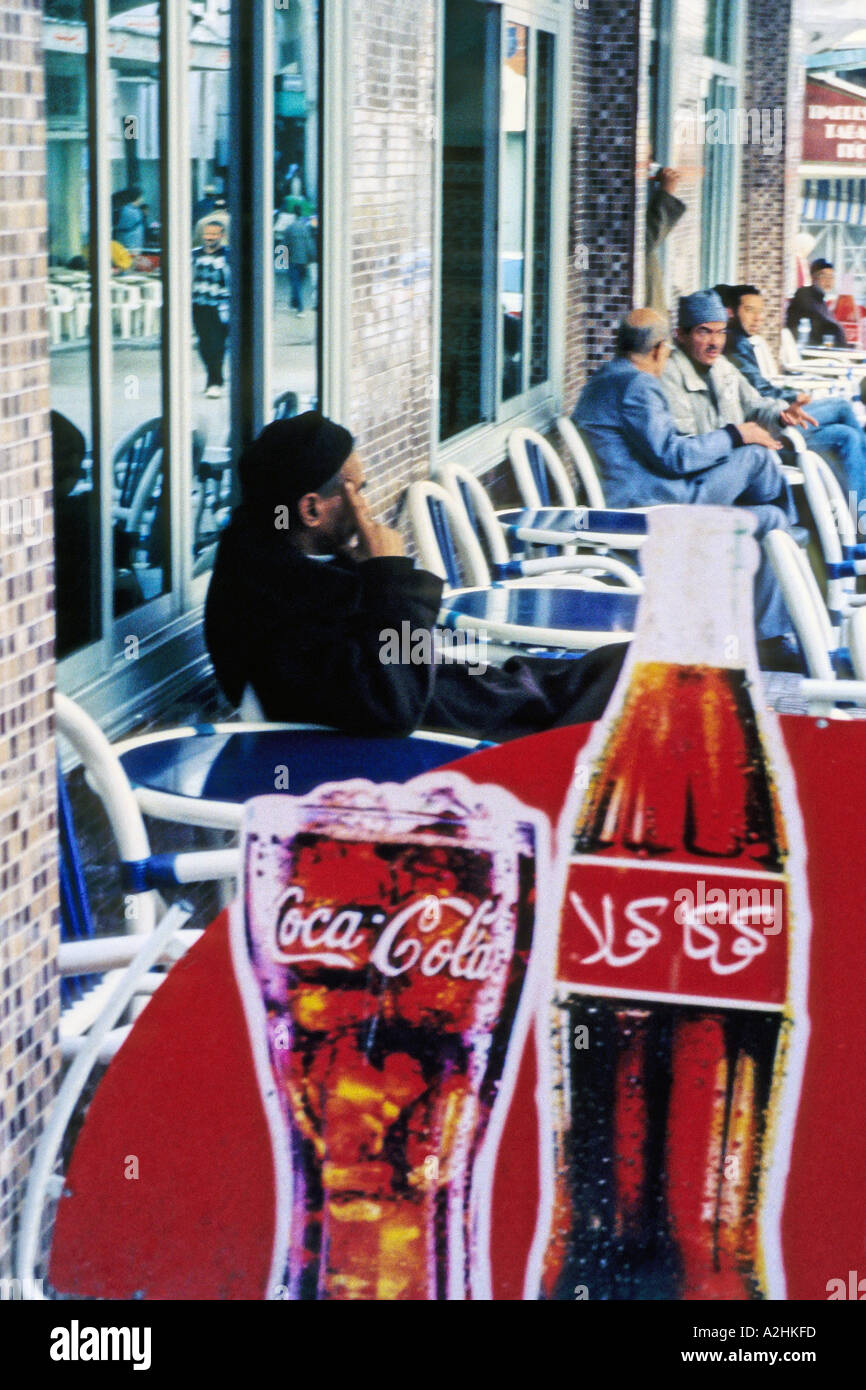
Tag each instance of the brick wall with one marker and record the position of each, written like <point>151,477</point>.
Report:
<point>602,197</point>
<point>29,1007</point>
<point>764,225</point>
<point>391,204</point>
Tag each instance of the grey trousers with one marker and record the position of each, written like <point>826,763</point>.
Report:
<point>752,477</point>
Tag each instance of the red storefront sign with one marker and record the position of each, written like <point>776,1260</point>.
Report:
<point>834,126</point>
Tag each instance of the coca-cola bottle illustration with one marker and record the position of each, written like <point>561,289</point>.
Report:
<point>382,953</point>
<point>678,1023</point>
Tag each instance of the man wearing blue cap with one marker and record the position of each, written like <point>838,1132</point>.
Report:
<point>644,459</point>
<point>705,390</point>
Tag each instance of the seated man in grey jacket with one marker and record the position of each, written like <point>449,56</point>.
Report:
<point>645,459</point>
<point>706,391</point>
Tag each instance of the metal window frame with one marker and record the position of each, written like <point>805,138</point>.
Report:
<point>336,104</point>
<point>115,690</point>
<point>483,444</point>
<point>724,176</point>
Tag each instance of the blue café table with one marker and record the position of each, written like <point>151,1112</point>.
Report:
<point>559,526</point>
<point>570,620</point>
<point>202,775</point>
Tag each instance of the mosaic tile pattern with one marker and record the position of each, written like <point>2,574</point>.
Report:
<point>605,81</point>
<point>765,230</point>
<point>29,1007</point>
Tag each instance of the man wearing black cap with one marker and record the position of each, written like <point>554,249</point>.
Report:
<point>305,583</point>
<point>809,303</point>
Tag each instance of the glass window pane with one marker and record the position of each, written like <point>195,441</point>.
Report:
<point>297,229</point>
<point>141,502</point>
<point>211,268</point>
<point>721,30</point>
<point>513,233</point>
<point>539,369</point>
<point>76,483</point>
<point>469,215</point>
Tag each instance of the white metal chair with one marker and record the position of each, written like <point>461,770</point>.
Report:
<point>449,547</point>
<point>805,604</point>
<point>121,966</point>
<point>824,695</point>
<point>816,361</point>
<point>539,472</point>
<point>151,303</point>
<point>127,308</point>
<point>844,558</point>
<point>584,463</point>
<point>61,313</point>
<point>769,368</point>
<point>586,570</point>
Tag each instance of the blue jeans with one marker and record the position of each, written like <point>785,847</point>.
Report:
<point>840,440</point>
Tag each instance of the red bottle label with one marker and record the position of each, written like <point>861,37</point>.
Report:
<point>689,933</point>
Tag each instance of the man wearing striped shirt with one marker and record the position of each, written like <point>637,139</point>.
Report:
<point>210,302</point>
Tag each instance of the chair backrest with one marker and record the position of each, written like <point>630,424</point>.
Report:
<point>767,365</point>
<point>584,463</point>
<point>445,540</point>
<point>112,787</point>
<point>790,353</point>
<point>144,491</point>
<point>470,493</point>
<point>286,405</point>
<point>76,918</point>
<point>825,515</point>
<point>539,471</point>
<point>804,603</point>
<point>132,454</point>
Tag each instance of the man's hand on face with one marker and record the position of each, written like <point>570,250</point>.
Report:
<point>796,415</point>
<point>756,434</point>
<point>374,538</point>
<point>669,178</point>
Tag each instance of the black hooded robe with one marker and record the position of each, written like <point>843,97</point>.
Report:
<point>305,633</point>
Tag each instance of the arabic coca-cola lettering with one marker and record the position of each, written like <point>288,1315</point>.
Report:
<point>672,1015</point>
<point>387,935</point>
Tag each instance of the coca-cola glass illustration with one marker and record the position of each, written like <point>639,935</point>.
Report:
<point>678,1019</point>
<point>383,951</point>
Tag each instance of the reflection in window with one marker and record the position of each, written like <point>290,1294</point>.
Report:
<point>513,235</point>
<point>470,132</point>
<point>539,367</point>
<point>76,494</point>
<point>211,271</point>
<point>497,179</point>
<point>297,230</point>
<point>141,509</point>
<point>721,31</point>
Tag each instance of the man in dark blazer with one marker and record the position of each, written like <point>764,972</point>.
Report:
<point>809,303</point>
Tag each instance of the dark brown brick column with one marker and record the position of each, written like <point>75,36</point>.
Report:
<point>604,133</point>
